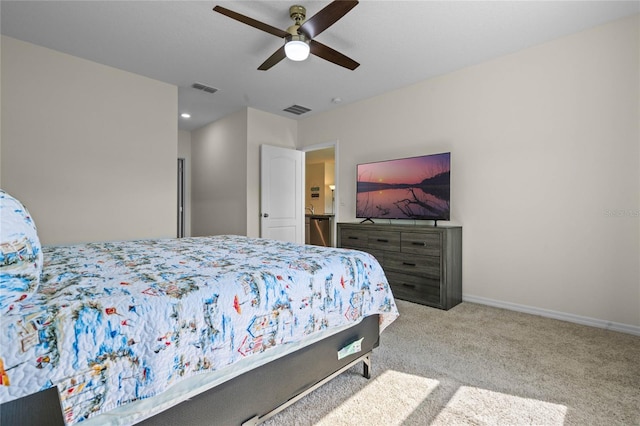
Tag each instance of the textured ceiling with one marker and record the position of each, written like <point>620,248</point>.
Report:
<point>397,43</point>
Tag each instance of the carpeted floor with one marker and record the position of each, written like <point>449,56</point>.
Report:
<point>479,365</point>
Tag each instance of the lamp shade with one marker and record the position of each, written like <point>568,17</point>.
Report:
<point>296,48</point>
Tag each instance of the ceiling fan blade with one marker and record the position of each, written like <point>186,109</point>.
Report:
<point>277,56</point>
<point>325,52</point>
<point>326,17</point>
<point>251,22</point>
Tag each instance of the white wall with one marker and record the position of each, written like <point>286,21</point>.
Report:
<point>219,177</point>
<point>545,146</point>
<point>90,149</point>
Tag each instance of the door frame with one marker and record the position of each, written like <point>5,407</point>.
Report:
<point>336,179</point>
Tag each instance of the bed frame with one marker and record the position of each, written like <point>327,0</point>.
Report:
<point>248,399</point>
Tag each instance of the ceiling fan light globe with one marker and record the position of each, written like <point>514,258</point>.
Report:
<point>296,50</point>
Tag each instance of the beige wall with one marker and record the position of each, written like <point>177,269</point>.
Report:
<point>226,170</point>
<point>90,149</point>
<point>268,129</point>
<point>314,178</point>
<point>329,179</point>
<point>545,161</point>
<point>321,175</point>
<point>219,177</point>
<point>545,168</point>
<point>1,119</point>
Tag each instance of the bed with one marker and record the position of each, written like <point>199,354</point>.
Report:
<point>229,327</point>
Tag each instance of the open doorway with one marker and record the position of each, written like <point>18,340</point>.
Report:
<point>181,199</point>
<point>321,194</point>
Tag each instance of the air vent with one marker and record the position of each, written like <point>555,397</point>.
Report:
<point>204,88</point>
<point>297,109</point>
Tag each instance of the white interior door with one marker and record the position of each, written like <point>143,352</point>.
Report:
<point>281,194</point>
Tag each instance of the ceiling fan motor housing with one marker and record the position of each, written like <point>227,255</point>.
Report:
<point>296,37</point>
<point>297,13</point>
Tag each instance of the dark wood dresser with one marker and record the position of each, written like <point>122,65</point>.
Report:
<point>422,263</point>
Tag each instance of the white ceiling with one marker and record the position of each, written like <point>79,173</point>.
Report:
<point>397,43</point>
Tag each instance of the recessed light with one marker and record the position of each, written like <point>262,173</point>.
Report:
<point>185,115</point>
<point>336,100</point>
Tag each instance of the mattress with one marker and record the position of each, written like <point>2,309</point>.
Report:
<point>117,322</point>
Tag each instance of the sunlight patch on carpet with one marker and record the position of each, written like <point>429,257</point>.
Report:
<point>475,405</point>
<point>404,392</point>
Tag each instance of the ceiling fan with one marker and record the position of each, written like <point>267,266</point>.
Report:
<point>299,38</point>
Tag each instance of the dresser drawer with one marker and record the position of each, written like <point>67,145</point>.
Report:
<point>421,243</point>
<point>422,263</point>
<point>415,289</point>
<point>424,266</point>
<point>378,254</point>
<point>384,240</point>
<point>353,238</point>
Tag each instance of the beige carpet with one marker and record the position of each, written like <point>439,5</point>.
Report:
<point>478,365</point>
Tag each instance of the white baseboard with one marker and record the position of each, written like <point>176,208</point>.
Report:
<point>578,319</point>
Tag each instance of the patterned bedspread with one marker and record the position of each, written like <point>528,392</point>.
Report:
<point>116,322</point>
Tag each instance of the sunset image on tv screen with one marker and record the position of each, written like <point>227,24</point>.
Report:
<point>407,188</point>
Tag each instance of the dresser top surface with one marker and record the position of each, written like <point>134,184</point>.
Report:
<point>398,227</point>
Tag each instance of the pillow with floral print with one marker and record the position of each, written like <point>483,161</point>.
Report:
<point>20,253</point>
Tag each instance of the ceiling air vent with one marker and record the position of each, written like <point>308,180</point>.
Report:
<point>204,88</point>
<point>297,109</point>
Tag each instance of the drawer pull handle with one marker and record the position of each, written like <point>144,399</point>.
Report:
<point>353,238</point>
<point>418,244</point>
<point>408,264</point>
<point>382,240</point>
<point>409,285</point>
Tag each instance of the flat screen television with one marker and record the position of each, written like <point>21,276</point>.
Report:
<point>407,188</point>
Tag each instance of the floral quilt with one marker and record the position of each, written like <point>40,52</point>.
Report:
<point>115,322</point>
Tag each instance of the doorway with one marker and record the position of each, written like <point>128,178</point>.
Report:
<point>321,189</point>
<point>181,197</point>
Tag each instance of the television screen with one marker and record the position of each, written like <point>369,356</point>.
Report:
<point>407,188</point>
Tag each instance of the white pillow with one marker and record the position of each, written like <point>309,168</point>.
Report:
<point>20,253</point>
